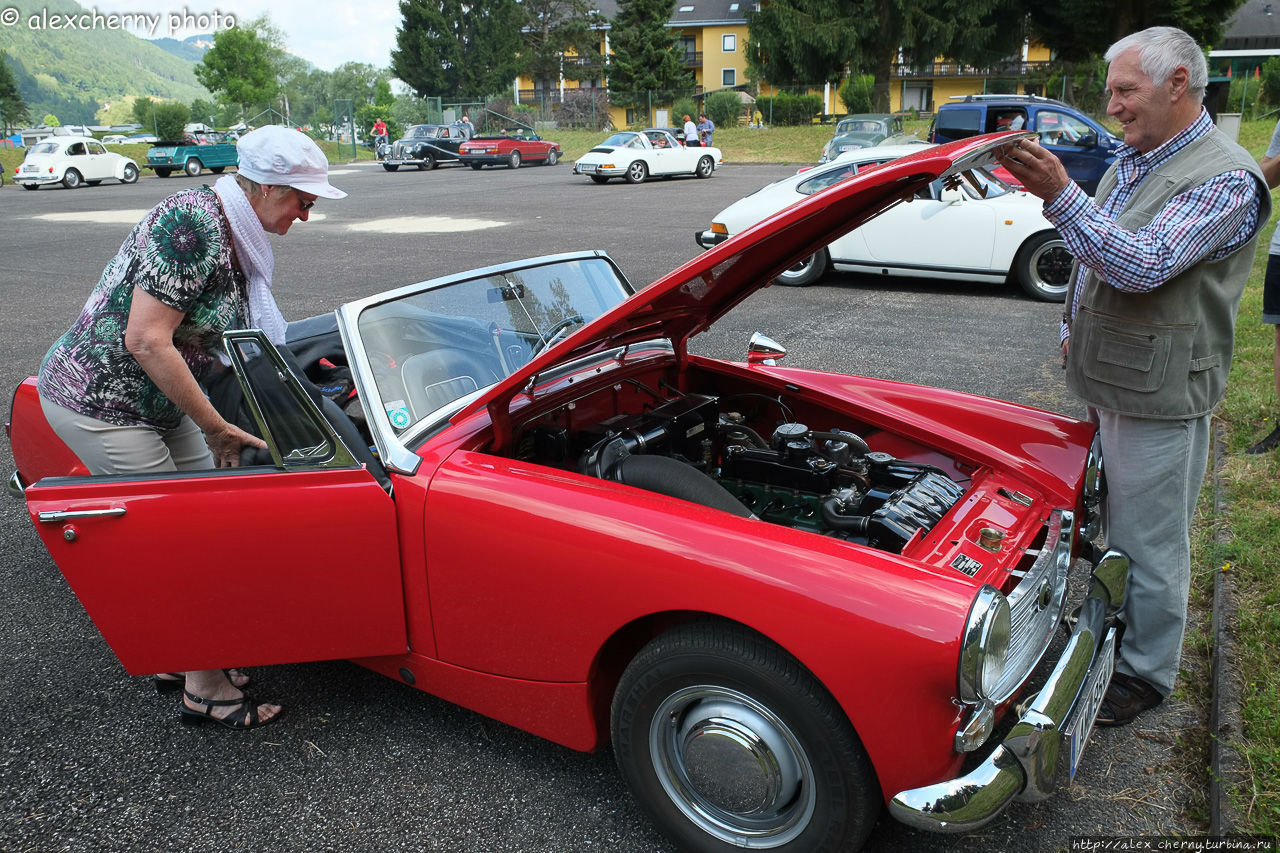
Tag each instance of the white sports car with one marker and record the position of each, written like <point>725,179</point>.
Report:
<point>637,154</point>
<point>73,161</point>
<point>979,229</point>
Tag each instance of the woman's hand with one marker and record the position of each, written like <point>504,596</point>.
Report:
<point>227,442</point>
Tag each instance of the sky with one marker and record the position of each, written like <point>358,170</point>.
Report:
<point>327,33</point>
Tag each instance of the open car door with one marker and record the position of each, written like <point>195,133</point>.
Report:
<point>294,560</point>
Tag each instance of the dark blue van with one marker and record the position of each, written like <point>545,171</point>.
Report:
<point>1085,147</point>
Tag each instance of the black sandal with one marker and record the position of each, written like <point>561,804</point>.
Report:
<point>171,682</point>
<point>248,720</point>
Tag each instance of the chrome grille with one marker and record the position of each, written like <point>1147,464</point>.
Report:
<point>1036,604</point>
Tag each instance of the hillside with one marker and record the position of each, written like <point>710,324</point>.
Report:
<point>72,72</point>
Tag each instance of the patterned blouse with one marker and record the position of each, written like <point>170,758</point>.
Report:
<point>180,253</point>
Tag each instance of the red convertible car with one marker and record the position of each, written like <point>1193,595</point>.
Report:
<point>509,150</point>
<point>788,598</point>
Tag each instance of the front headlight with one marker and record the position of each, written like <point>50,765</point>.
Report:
<point>984,647</point>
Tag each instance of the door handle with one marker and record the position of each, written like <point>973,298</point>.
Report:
<point>53,515</point>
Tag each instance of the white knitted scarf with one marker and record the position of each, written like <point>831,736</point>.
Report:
<point>253,251</point>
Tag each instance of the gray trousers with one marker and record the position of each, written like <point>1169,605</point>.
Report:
<point>110,449</point>
<point>1154,470</point>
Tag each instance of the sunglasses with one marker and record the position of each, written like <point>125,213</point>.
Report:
<point>303,204</point>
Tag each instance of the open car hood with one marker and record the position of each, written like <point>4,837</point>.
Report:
<point>692,297</point>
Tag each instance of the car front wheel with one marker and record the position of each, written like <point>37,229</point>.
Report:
<point>194,167</point>
<point>1043,267</point>
<point>637,172</point>
<point>705,167</point>
<point>72,179</point>
<point>130,174</point>
<point>805,272</point>
<point>553,157</point>
<point>728,742</point>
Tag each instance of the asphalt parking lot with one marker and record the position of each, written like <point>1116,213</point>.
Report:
<point>91,759</point>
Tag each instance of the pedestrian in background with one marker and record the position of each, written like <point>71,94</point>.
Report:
<point>690,133</point>
<point>706,129</point>
<point>1162,255</point>
<point>1271,287</point>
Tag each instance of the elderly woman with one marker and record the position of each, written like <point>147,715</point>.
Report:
<point>122,387</point>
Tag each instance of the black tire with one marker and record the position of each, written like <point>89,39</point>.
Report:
<point>1043,267</point>
<point>727,741</point>
<point>806,272</point>
<point>430,161</point>
<point>705,167</point>
<point>477,166</point>
<point>72,179</point>
<point>553,157</point>
<point>513,162</point>
<point>193,168</point>
<point>600,179</point>
<point>217,170</point>
<point>637,172</point>
<point>163,173</point>
<point>130,174</point>
<point>390,167</point>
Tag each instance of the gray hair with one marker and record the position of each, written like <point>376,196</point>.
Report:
<point>1161,51</point>
<point>250,187</point>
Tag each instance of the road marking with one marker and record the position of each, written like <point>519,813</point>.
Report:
<point>425,225</point>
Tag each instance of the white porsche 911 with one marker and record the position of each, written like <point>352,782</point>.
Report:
<point>975,229</point>
<point>638,154</point>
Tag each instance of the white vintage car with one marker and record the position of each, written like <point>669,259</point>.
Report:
<point>974,229</point>
<point>73,161</point>
<point>637,154</point>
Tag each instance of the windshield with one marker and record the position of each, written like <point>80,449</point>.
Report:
<point>623,140</point>
<point>433,348</point>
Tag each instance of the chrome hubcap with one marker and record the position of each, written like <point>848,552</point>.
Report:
<point>732,766</point>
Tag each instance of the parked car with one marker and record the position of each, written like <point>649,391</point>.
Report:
<point>1085,147</point>
<point>975,229</point>
<point>861,130</point>
<point>192,156</point>
<point>511,149</point>
<point>788,597</point>
<point>637,154</point>
<point>424,146</point>
<point>142,137</point>
<point>72,161</point>
<point>114,139</point>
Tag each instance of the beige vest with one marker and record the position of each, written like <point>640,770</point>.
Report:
<point>1164,353</point>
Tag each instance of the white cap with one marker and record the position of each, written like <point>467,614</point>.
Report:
<point>281,156</point>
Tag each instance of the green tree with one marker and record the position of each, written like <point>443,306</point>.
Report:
<point>171,118</point>
<point>12,106</point>
<point>204,111</point>
<point>240,66</point>
<point>449,48</point>
<point>724,108</point>
<point>1079,30</point>
<point>645,55</point>
<point>553,28</point>
<point>857,93</point>
<point>1270,81</point>
<point>142,112</point>
<point>816,41</point>
<point>51,120</point>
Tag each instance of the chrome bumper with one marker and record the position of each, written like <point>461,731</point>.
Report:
<point>707,239</point>
<point>15,486</point>
<point>1025,765</point>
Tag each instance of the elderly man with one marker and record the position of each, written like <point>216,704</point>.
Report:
<point>1162,257</point>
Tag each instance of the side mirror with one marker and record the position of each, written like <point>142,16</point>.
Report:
<point>1089,140</point>
<point>762,349</point>
<point>951,195</point>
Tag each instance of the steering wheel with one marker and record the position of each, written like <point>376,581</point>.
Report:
<point>556,332</point>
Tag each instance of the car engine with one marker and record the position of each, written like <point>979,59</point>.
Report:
<point>829,482</point>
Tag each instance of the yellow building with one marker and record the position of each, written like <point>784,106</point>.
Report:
<point>712,38</point>
<point>924,87</point>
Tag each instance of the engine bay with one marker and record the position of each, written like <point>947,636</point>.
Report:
<point>703,448</point>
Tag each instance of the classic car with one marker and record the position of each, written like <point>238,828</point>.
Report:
<point>192,154</point>
<point>637,154</point>
<point>72,161</point>
<point>509,149</point>
<point>424,146</point>
<point>974,229</point>
<point>862,130</point>
<point>787,597</point>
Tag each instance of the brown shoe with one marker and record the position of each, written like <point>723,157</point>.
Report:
<point>1127,697</point>
<point>1267,444</point>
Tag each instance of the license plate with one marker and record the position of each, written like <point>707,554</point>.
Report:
<point>30,168</point>
<point>1091,696</point>
<point>586,170</point>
